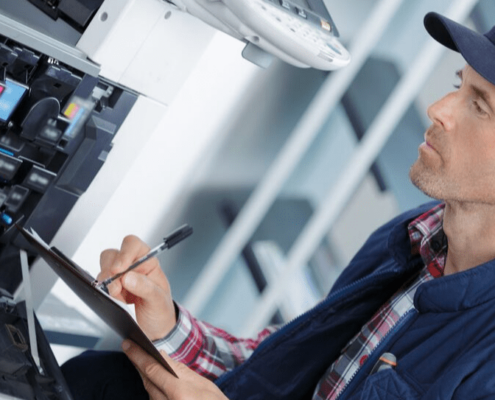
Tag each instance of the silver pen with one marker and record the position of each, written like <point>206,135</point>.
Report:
<point>171,240</point>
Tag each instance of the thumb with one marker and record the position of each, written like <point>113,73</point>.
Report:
<point>180,369</point>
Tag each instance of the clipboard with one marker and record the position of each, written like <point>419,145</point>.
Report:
<point>81,282</point>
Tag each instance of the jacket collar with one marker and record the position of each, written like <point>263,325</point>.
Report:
<point>457,292</point>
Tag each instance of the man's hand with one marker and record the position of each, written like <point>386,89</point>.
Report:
<point>146,286</point>
<point>161,385</point>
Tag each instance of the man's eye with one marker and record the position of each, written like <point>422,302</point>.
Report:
<point>458,74</point>
<point>479,110</point>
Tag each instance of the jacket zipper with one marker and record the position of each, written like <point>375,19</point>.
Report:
<point>334,297</point>
<point>376,353</point>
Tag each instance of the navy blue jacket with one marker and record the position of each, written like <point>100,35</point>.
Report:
<point>445,349</point>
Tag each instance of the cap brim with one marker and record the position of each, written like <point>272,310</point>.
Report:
<point>477,49</point>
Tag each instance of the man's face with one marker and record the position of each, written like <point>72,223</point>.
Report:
<point>457,159</point>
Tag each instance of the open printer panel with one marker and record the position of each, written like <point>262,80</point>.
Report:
<point>56,128</point>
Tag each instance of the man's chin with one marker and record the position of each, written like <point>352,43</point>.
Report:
<point>425,183</point>
<point>427,191</point>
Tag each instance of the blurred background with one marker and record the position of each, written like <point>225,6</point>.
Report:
<point>282,172</point>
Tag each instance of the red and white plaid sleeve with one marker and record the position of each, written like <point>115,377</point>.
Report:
<point>208,350</point>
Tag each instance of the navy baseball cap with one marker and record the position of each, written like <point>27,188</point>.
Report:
<point>478,50</point>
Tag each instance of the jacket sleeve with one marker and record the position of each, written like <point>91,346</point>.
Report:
<point>205,349</point>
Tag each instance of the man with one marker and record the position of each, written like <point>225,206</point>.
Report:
<point>411,317</point>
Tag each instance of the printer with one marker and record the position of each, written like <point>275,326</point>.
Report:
<point>62,108</point>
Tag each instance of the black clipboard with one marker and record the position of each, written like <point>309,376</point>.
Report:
<point>81,282</point>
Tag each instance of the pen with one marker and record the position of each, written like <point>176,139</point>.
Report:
<point>386,361</point>
<point>171,240</point>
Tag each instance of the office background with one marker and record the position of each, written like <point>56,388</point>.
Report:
<point>282,172</point>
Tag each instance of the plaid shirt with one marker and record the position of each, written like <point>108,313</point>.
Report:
<point>211,351</point>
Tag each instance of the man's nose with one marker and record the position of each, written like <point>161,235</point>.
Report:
<point>442,112</point>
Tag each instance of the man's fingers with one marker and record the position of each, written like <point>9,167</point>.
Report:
<point>147,365</point>
<point>142,287</point>
<point>110,267</point>
<point>155,310</point>
<point>162,384</point>
<point>107,261</point>
<point>107,257</point>
<point>114,261</point>
<point>152,389</point>
<point>131,250</point>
